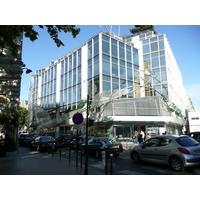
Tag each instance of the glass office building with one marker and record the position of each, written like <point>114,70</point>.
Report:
<point>130,83</point>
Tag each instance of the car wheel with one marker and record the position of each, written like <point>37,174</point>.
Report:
<point>176,164</point>
<point>97,153</point>
<point>135,157</point>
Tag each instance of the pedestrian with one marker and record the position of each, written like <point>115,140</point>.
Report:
<point>136,137</point>
<point>139,137</point>
<point>142,135</point>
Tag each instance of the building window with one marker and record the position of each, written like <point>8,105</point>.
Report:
<point>79,57</point>
<point>129,71</point>
<point>89,49</point>
<point>161,42</point>
<point>89,68</point>
<point>162,59</point>
<point>106,65</point>
<point>155,61</point>
<point>114,48</point>
<point>115,84</point>
<point>74,60</point>
<point>70,62</point>
<point>62,67</point>
<point>79,92</point>
<point>146,47</point>
<point>96,65</point>
<point>96,45</point>
<point>79,74</point>
<point>154,44</point>
<point>128,54</point>
<point>70,79</point>
<point>74,76</point>
<point>121,51</point>
<point>135,56</point>
<point>122,70</point>
<point>130,88</point>
<point>115,67</point>
<point>66,65</point>
<point>105,45</point>
<point>106,83</point>
<point>96,85</point>
<point>163,75</point>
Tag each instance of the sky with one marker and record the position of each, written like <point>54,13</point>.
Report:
<point>183,39</point>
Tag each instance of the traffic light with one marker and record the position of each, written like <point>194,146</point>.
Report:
<point>91,122</point>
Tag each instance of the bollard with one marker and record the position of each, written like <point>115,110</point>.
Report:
<point>81,158</point>
<point>111,164</point>
<point>104,161</point>
<point>69,153</point>
<point>60,150</point>
<point>52,150</point>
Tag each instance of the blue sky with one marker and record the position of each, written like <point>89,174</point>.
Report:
<point>184,41</point>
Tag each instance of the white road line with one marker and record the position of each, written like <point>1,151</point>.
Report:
<point>128,172</point>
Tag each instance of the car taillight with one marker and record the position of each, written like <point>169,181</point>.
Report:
<point>183,150</point>
<point>43,144</point>
<point>63,140</point>
<point>120,146</point>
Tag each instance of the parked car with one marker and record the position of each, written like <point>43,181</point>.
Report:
<point>177,151</point>
<point>44,143</point>
<point>64,140</point>
<point>25,139</point>
<point>81,140</point>
<point>97,145</point>
<point>195,135</point>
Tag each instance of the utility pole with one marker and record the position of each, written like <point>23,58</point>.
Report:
<point>86,138</point>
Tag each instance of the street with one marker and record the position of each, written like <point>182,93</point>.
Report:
<point>121,165</point>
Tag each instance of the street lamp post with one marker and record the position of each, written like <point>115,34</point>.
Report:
<point>86,138</point>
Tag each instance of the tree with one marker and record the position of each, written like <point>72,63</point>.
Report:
<point>8,33</point>
<point>23,117</point>
<point>139,28</point>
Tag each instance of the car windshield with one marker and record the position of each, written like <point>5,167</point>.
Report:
<point>187,141</point>
<point>108,140</point>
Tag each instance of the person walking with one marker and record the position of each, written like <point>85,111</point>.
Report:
<point>139,137</point>
<point>142,136</point>
<point>136,137</point>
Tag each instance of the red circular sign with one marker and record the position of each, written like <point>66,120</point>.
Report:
<point>77,118</point>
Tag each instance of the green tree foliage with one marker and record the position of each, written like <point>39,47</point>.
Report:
<point>139,28</point>
<point>23,117</point>
<point>8,33</point>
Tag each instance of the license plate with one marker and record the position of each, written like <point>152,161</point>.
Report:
<point>198,151</point>
<point>114,147</point>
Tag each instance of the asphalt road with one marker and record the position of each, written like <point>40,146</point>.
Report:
<point>123,165</point>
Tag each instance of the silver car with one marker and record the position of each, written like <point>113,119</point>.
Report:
<point>177,151</point>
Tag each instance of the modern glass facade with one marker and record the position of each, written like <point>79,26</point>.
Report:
<point>108,68</point>
<point>154,58</point>
<point>119,66</point>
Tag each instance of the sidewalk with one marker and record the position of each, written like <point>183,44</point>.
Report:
<point>35,163</point>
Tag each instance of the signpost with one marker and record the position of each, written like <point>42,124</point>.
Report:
<point>77,119</point>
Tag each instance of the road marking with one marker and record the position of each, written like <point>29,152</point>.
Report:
<point>98,165</point>
<point>128,172</point>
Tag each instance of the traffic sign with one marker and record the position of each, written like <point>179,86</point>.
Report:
<point>77,118</point>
